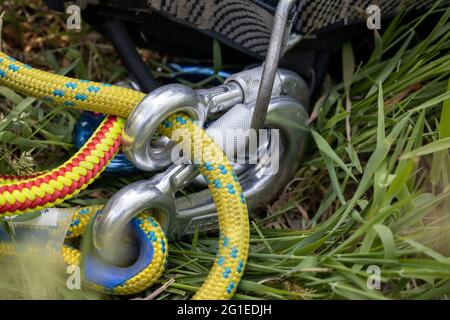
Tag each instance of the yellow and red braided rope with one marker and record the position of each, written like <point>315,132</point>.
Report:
<point>62,183</point>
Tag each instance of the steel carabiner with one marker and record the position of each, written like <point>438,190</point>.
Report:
<point>110,224</point>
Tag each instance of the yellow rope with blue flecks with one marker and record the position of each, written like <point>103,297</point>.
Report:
<point>146,277</point>
<point>222,280</point>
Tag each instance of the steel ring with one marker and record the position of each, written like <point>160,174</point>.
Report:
<point>197,210</point>
<point>143,123</point>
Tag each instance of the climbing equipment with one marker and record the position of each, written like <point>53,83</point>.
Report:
<point>242,24</point>
<point>85,127</point>
<point>20,195</point>
<point>173,107</point>
<point>286,113</point>
<point>55,186</point>
<point>197,211</point>
<point>89,121</point>
<point>247,91</point>
<point>281,30</point>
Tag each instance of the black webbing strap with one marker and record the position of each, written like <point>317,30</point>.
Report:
<point>246,24</point>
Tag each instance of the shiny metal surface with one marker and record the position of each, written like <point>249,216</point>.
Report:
<point>261,97</point>
<point>197,104</point>
<point>110,224</point>
<point>143,122</point>
<point>157,106</point>
<point>221,98</point>
<point>198,209</point>
<point>280,31</point>
<point>183,215</point>
<point>294,86</point>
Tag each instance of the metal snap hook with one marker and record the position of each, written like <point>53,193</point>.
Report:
<point>143,122</point>
<point>111,223</point>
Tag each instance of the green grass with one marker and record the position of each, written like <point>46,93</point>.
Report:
<point>371,200</point>
<point>373,189</point>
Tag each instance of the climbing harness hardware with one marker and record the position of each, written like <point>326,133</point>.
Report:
<point>286,113</point>
<point>255,98</point>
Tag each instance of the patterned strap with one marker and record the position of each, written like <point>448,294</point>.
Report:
<point>247,24</point>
